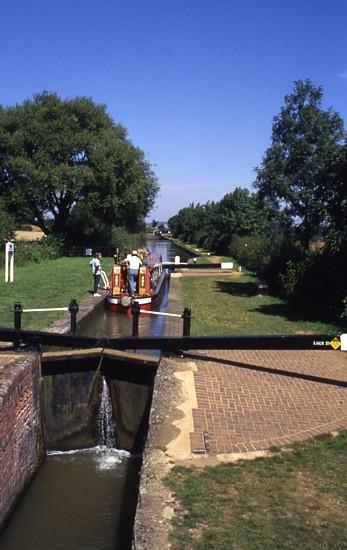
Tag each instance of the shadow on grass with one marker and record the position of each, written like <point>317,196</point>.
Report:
<point>294,314</point>
<point>246,289</point>
<point>279,308</point>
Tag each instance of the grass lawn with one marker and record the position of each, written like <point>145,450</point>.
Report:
<point>226,305</point>
<point>295,499</point>
<point>51,283</point>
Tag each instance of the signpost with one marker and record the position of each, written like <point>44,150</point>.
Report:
<point>9,261</point>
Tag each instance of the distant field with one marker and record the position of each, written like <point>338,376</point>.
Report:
<point>51,283</point>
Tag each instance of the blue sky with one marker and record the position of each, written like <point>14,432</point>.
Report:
<point>196,83</point>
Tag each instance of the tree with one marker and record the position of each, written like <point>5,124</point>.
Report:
<point>7,225</point>
<point>335,197</point>
<point>66,166</point>
<point>214,224</point>
<point>189,221</point>
<point>295,168</point>
<point>239,213</point>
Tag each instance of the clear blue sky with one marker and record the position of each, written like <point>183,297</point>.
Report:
<point>195,82</point>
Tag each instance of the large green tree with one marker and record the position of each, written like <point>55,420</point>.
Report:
<point>295,169</point>
<point>7,223</point>
<point>335,198</point>
<point>239,213</point>
<point>68,167</point>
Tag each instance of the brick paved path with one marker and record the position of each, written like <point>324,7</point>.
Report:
<point>252,400</point>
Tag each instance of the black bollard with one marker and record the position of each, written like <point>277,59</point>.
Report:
<point>18,310</point>
<point>186,316</point>
<point>73,309</point>
<point>135,310</point>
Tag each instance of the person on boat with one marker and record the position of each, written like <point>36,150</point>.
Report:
<point>143,255</point>
<point>133,271</point>
<point>95,264</point>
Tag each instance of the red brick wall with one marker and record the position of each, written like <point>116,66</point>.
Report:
<point>21,442</point>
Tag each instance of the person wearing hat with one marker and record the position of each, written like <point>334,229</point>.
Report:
<point>133,271</point>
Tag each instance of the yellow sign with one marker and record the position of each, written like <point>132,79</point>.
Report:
<point>335,343</point>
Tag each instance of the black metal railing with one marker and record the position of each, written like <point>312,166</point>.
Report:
<point>72,308</point>
<point>175,343</point>
<point>136,311</point>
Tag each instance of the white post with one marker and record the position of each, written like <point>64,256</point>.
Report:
<point>6,263</point>
<point>9,262</point>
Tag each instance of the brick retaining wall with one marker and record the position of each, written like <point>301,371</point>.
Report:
<point>21,440</point>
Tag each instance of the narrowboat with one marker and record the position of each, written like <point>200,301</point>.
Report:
<point>150,282</point>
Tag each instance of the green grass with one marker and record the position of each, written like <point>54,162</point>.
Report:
<point>51,283</point>
<point>227,305</point>
<point>296,499</point>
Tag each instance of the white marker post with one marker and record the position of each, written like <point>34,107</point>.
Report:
<point>9,262</point>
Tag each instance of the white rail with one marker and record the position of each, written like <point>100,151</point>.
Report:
<point>45,309</point>
<point>161,313</point>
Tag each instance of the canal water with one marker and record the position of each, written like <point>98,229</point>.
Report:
<point>86,499</point>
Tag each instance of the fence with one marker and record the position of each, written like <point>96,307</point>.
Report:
<point>186,316</point>
<point>165,344</point>
<point>73,308</point>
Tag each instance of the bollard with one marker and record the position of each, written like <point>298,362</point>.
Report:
<point>186,316</point>
<point>73,309</point>
<point>135,310</point>
<point>18,310</point>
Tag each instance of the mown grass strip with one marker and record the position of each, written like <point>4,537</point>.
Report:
<point>50,283</point>
<point>227,305</point>
<point>295,499</point>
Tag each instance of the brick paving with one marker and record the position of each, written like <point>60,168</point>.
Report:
<point>254,400</point>
<point>259,399</point>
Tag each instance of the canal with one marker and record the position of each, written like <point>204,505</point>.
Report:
<point>86,499</point>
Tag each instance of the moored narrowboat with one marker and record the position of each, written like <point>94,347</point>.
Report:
<point>149,284</point>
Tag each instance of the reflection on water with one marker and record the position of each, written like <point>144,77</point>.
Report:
<point>79,500</point>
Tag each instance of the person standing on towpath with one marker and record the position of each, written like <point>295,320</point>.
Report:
<point>96,270</point>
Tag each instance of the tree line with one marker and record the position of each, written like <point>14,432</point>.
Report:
<point>67,167</point>
<point>291,229</point>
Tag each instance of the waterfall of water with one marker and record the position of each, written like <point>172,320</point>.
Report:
<point>106,438</point>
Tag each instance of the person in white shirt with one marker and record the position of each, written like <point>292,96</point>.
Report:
<point>133,271</point>
<point>96,270</point>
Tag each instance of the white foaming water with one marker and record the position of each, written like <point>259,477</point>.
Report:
<point>103,457</point>
<point>105,429</point>
<point>106,455</point>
